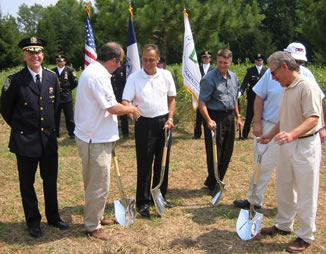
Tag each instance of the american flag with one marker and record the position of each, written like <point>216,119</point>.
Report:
<point>90,48</point>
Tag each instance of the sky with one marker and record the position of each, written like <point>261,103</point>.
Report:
<point>11,6</point>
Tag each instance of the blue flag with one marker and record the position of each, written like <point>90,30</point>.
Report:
<point>133,62</point>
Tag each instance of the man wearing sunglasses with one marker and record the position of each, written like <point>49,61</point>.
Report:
<point>266,115</point>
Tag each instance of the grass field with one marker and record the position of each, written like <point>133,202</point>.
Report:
<point>193,226</point>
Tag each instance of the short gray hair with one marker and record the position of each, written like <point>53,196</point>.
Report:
<point>280,57</point>
<point>108,51</point>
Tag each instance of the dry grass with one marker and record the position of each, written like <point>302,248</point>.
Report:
<point>193,226</point>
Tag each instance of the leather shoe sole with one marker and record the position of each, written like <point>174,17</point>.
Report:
<point>99,234</point>
<point>144,211</point>
<point>167,204</point>
<point>244,204</point>
<point>35,232</point>
<point>59,224</point>
<point>271,231</point>
<point>106,222</point>
<point>298,245</point>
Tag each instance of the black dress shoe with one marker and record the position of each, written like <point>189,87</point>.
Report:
<point>59,224</point>
<point>167,204</point>
<point>244,204</point>
<point>35,232</point>
<point>144,211</point>
<point>195,137</point>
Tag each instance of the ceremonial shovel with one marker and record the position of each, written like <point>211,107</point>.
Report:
<point>249,222</point>
<point>219,185</point>
<point>124,209</point>
<point>156,192</point>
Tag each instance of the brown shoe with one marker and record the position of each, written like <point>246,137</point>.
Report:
<point>106,222</point>
<point>274,231</point>
<point>298,245</point>
<point>99,234</point>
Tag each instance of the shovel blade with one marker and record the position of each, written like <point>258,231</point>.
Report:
<point>247,229</point>
<point>217,193</point>
<point>158,201</point>
<point>125,214</point>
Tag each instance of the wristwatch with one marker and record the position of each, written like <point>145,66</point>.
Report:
<point>170,119</point>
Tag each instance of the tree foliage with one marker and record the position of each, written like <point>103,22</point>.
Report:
<point>10,54</point>
<point>245,26</point>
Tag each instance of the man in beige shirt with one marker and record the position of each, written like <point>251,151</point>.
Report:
<point>297,133</point>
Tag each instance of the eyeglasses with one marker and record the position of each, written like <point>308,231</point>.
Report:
<point>274,72</point>
<point>299,62</point>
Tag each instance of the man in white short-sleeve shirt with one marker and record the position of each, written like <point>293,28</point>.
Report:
<point>153,90</point>
<point>96,129</point>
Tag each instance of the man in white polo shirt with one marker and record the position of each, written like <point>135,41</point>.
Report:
<point>153,90</point>
<point>96,130</point>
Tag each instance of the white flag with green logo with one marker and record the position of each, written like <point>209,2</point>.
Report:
<point>190,67</point>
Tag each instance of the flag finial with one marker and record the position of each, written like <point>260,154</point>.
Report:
<point>87,5</point>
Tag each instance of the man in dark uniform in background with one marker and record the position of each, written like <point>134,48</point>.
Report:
<point>204,68</point>
<point>252,76</point>
<point>118,81</point>
<point>29,101</point>
<point>68,81</point>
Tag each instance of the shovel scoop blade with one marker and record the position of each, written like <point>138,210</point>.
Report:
<point>247,229</point>
<point>125,214</point>
<point>158,201</point>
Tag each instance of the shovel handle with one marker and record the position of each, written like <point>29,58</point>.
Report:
<point>116,166</point>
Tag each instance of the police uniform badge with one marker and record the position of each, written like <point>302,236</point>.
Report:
<point>66,75</point>
<point>50,90</point>
<point>6,85</point>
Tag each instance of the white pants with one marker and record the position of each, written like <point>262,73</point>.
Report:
<point>96,161</point>
<point>297,185</point>
<point>268,164</point>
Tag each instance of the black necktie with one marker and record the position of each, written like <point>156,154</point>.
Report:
<point>38,81</point>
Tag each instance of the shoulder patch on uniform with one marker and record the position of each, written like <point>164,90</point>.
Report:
<point>7,84</point>
<point>74,74</point>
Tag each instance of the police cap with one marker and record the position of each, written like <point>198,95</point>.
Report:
<point>259,57</point>
<point>33,44</point>
<point>206,54</point>
<point>60,58</point>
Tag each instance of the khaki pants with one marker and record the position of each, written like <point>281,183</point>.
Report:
<point>268,163</point>
<point>297,184</point>
<point>96,161</point>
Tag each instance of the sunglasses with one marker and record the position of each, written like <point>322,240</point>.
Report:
<point>274,72</point>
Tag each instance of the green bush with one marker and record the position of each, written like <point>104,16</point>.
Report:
<point>184,112</point>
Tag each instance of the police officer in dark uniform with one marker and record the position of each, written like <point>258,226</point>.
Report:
<point>28,103</point>
<point>118,81</point>
<point>68,81</point>
<point>252,76</point>
<point>204,68</point>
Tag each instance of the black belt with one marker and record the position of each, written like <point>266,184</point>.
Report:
<point>313,134</point>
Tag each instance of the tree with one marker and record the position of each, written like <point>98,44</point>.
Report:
<point>10,54</point>
<point>63,26</point>
<point>215,23</point>
<point>28,18</point>
<point>313,28</point>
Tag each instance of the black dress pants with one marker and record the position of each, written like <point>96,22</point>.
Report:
<point>225,133</point>
<point>49,171</point>
<point>124,125</point>
<point>199,121</point>
<point>68,112</point>
<point>149,136</point>
<point>249,113</point>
